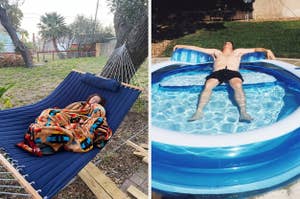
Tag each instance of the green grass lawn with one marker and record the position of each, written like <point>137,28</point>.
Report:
<point>282,37</point>
<point>33,84</point>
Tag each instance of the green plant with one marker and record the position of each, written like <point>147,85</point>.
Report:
<point>140,106</point>
<point>5,101</point>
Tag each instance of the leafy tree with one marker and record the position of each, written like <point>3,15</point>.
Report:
<point>14,13</point>
<point>131,26</point>
<point>88,31</point>
<point>127,15</point>
<point>6,21</point>
<point>52,26</point>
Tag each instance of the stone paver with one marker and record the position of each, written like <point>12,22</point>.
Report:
<point>159,59</point>
<point>291,191</point>
<point>139,179</point>
<point>294,61</point>
<point>144,186</point>
<point>126,184</point>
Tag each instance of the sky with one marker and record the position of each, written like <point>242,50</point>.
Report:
<point>33,9</point>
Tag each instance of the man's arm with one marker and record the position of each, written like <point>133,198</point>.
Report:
<point>270,54</point>
<point>210,51</point>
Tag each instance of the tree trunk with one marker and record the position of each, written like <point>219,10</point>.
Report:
<point>122,28</point>
<point>59,54</point>
<point>55,44</point>
<point>136,41</point>
<point>14,37</point>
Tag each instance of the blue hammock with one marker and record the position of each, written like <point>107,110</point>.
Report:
<point>52,173</point>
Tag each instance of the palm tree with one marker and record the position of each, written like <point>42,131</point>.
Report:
<point>52,26</point>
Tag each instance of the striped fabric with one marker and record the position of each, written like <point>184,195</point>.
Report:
<point>191,56</point>
<point>52,173</point>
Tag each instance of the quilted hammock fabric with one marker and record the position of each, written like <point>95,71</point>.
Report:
<point>49,174</point>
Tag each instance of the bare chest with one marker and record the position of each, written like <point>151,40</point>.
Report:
<point>232,61</point>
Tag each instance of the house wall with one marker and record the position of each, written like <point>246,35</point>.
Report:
<point>274,9</point>
<point>5,39</point>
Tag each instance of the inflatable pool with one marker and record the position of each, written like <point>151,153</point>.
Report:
<point>218,154</point>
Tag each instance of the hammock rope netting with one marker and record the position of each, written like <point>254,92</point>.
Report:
<point>120,67</point>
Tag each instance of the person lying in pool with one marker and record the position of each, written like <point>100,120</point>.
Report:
<point>225,69</point>
<point>77,127</point>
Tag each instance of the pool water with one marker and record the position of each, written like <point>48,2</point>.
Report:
<point>175,98</point>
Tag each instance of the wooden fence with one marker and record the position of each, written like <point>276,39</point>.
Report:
<point>68,54</point>
<point>102,49</point>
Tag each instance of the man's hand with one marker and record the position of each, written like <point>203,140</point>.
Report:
<point>270,54</point>
<point>177,46</point>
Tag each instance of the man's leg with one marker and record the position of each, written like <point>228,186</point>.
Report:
<point>236,84</point>
<point>204,98</point>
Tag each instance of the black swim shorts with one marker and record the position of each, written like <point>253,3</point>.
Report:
<point>225,75</point>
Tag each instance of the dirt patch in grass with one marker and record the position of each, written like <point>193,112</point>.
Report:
<point>117,159</point>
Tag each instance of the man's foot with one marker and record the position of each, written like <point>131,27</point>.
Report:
<point>245,117</point>
<point>196,116</point>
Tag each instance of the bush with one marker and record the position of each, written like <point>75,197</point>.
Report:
<point>11,60</point>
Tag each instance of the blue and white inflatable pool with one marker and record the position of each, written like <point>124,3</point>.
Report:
<point>218,154</point>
